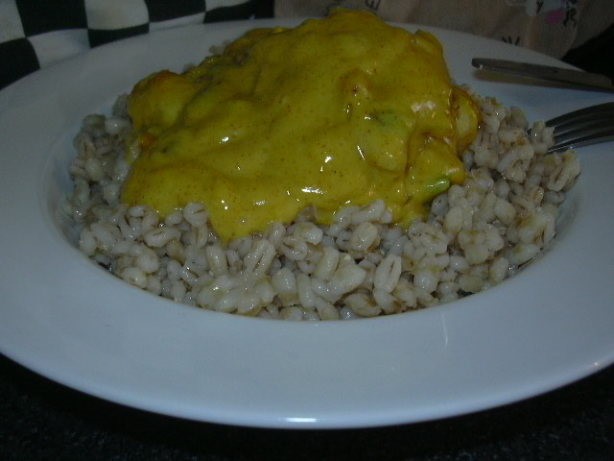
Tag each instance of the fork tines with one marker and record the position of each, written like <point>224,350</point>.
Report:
<point>582,127</point>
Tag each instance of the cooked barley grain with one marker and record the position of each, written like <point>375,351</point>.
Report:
<point>477,234</point>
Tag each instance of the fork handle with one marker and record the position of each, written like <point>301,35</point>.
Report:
<point>572,77</point>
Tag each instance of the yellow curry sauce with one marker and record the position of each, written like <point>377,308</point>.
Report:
<point>338,111</point>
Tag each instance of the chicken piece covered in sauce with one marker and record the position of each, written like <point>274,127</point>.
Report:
<point>338,111</point>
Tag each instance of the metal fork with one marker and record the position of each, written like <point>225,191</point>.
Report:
<point>582,127</point>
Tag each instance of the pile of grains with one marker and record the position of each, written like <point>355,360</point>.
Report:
<point>477,234</point>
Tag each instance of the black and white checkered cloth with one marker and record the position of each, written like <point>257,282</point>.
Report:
<point>37,33</point>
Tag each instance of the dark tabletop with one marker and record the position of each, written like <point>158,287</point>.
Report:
<point>40,419</point>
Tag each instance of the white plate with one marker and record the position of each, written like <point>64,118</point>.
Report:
<point>67,319</point>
